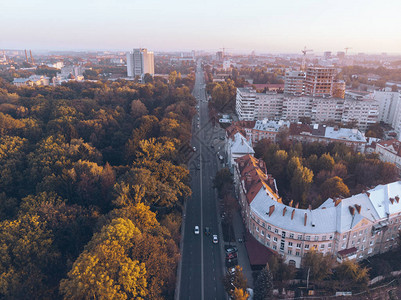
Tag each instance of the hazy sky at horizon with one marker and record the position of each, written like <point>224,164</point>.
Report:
<point>263,26</point>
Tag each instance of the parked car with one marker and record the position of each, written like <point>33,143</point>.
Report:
<point>207,231</point>
<point>215,239</point>
<point>196,230</point>
<point>194,148</point>
<point>231,249</point>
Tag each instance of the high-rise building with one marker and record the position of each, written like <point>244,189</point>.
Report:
<point>140,62</point>
<point>339,89</point>
<point>294,83</point>
<point>388,103</point>
<point>319,81</point>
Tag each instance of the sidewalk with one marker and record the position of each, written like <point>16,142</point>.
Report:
<point>243,259</point>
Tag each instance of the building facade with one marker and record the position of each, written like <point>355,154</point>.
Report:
<point>389,151</point>
<point>140,62</point>
<point>319,81</point>
<point>353,228</point>
<point>294,83</point>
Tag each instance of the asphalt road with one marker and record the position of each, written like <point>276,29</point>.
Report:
<point>202,262</point>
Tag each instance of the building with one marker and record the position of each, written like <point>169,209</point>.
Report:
<point>296,107</point>
<point>388,105</point>
<point>265,129</point>
<point>33,80</point>
<point>304,133</point>
<point>353,228</point>
<point>327,109</point>
<point>362,112</point>
<point>294,83</point>
<point>339,89</point>
<point>245,104</point>
<point>319,81</point>
<point>389,151</point>
<point>140,62</point>
<point>268,105</point>
<point>236,146</point>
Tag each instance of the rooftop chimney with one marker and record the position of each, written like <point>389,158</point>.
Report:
<point>271,210</point>
<point>306,217</point>
<point>310,207</point>
<point>284,210</point>
<point>392,200</point>
<point>291,202</point>
<point>358,208</point>
<point>397,199</point>
<point>296,205</point>
<point>352,210</point>
<point>367,193</point>
<point>338,201</point>
<point>292,214</point>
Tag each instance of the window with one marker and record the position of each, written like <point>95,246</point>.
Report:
<point>354,234</point>
<point>276,230</point>
<point>291,235</point>
<point>268,236</point>
<point>344,236</point>
<point>322,246</point>
<point>316,238</point>
<point>257,228</point>
<point>299,245</point>
<point>269,227</point>
<point>262,232</point>
<point>274,247</point>
<point>289,244</point>
<point>306,246</point>
<point>283,234</point>
<point>307,237</point>
<point>329,246</point>
<point>297,253</point>
<point>324,238</point>
<point>289,251</point>
<point>268,244</point>
<point>299,237</point>
<point>263,224</point>
<point>275,239</point>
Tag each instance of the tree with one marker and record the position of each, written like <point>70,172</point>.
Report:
<point>352,275</point>
<point>334,187</point>
<point>292,165</point>
<point>105,269</point>
<point>326,162</point>
<point>319,266</point>
<point>234,280</point>
<point>281,271</point>
<point>300,184</point>
<point>240,294</point>
<point>223,181</point>
<point>138,109</point>
<point>264,285</point>
<point>28,260</point>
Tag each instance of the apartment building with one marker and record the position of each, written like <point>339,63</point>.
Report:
<point>319,81</point>
<point>353,228</point>
<point>269,105</point>
<point>324,110</point>
<point>388,105</point>
<point>389,151</point>
<point>296,107</point>
<point>353,138</point>
<point>140,62</point>
<point>266,129</point>
<point>294,83</point>
<point>245,104</point>
<point>362,112</point>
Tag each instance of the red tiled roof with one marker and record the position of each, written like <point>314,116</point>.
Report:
<point>257,253</point>
<point>347,252</point>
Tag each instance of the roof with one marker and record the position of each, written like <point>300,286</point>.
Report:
<point>341,216</point>
<point>392,146</point>
<point>240,145</point>
<point>334,133</point>
<point>257,253</point>
<point>272,126</point>
<point>347,252</point>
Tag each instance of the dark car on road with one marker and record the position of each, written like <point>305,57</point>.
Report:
<point>207,231</point>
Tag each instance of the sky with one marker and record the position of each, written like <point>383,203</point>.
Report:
<point>266,26</point>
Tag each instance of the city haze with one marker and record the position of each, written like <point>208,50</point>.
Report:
<point>264,26</point>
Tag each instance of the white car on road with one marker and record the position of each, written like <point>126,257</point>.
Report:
<point>196,230</point>
<point>215,240</point>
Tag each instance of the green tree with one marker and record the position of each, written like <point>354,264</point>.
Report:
<point>319,265</point>
<point>300,184</point>
<point>264,285</point>
<point>106,270</point>
<point>352,276</point>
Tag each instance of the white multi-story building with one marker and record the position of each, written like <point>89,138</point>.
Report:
<point>389,151</point>
<point>324,110</point>
<point>388,104</point>
<point>268,105</point>
<point>245,104</point>
<point>297,107</point>
<point>140,62</point>
<point>353,228</point>
<point>294,83</point>
<point>363,112</point>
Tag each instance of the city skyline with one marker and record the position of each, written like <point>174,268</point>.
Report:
<point>284,27</point>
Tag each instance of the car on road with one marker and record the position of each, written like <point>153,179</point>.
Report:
<point>207,230</point>
<point>231,255</point>
<point>194,148</point>
<point>231,249</point>
<point>215,239</point>
<point>196,230</point>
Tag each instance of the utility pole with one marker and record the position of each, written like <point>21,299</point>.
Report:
<point>307,279</point>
